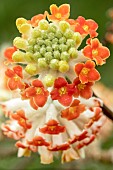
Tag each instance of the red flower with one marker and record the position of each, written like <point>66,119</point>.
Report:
<point>59,13</point>
<point>85,27</point>
<point>84,90</point>
<point>9,52</point>
<point>35,19</point>
<point>73,111</point>
<point>62,91</point>
<point>22,120</point>
<point>80,137</point>
<point>52,127</point>
<point>15,78</point>
<point>95,51</point>
<point>87,72</point>
<point>38,141</point>
<point>37,94</point>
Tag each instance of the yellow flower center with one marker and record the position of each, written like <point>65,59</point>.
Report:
<point>72,110</point>
<point>58,15</point>
<point>85,71</point>
<point>16,78</point>
<point>62,90</point>
<point>51,128</point>
<point>85,27</point>
<point>94,52</point>
<point>39,90</point>
<point>81,86</point>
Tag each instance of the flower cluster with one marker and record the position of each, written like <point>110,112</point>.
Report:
<point>54,109</point>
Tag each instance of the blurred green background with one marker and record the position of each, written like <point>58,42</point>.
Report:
<point>10,10</point>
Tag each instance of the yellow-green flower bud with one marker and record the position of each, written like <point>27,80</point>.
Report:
<point>58,34</point>
<point>63,66</point>
<point>55,47</point>
<point>43,24</point>
<point>20,43</point>
<point>54,64</point>
<point>77,38</point>
<point>65,56</point>
<point>36,33</point>
<point>31,69</point>
<point>36,48</point>
<point>51,36</point>
<point>42,63</point>
<point>25,28</point>
<point>32,41</point>
<point>52,28</point>
<point>49,49</point>
<point>62,40</point>
<point>71,43</point>
<point>29,56</point>
<point>48,80</point>
<point>30,48</point>
<point>73,52</point>
<point>48,42</point>
<point>42,51</point>
<point>64,26</point>
<point>48,56</point>
<point>36,56</point>
<point>18,56</point>
<point>56,55</point>
<point>55,41</point>
<point>40,41</point>
<point>44,35</point>
<point>69,33</point>
<point>20,22</point>
<point>63,47</point>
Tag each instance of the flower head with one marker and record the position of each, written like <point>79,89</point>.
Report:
<point>53,108</point>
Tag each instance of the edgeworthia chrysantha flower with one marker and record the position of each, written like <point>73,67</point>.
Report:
<point>53,110</point>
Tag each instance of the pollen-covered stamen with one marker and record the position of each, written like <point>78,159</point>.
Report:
<point>81,86</point>
<point>85,27</point>
<point>95,52</point>
<point>62,91</point>
<point>85,71</point>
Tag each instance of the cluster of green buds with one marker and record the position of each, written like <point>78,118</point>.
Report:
<point>49,45</point>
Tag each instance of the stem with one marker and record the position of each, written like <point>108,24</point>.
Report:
<point>106,110</point>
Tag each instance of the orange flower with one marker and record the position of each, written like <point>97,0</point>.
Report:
<point>9,52</point>
<point>62,91</point>
<point>37,94</point>
<point>59,13</point>
<point>22,120</point>
<point>15,78</point>
<point>87,72</point>
<point>38,141</point>
<point>95,51</point>
<point>52,127</point>
<point>84,90</point>
<point>85,27</point>
<point>73,111</point>
<point>35,19</point>
<point>27,147</point>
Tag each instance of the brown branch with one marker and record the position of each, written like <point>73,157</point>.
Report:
<point>106,110</point>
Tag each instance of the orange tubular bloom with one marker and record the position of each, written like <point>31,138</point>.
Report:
<point>15,78</point>
<point>22,120</point>
<point>85,27</point>
<point>62,91</point>
<point>59,13</point>
<point>61,147</point>
<point>87,72</point>
<point>52,127</point>
<point>37,94</point>
<point>73,111</point>
<point>95,51</point>
<point>38,141</point>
